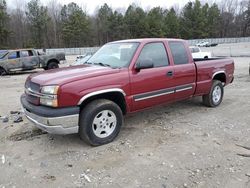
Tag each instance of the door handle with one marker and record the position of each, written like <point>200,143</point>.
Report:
<point>169,73</point>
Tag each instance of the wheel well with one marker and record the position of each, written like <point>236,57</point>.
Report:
<point>206,57</point>
<point>116,97</point>
<point>221,77</point>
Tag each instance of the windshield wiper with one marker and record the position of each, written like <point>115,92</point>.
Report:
<point>87,62</point>
<point>102,64</point>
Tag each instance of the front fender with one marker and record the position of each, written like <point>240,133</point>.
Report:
<point>98,92</point>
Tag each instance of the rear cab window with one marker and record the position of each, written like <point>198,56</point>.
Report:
<point>179,53</point>
<point>155,52</point>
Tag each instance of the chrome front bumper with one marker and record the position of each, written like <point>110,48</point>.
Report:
<point>55,125</point>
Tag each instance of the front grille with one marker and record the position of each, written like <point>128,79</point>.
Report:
<point>33,87</point>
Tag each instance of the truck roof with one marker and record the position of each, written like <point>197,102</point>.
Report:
<point>14,50</point>
<point>148,40</point>
<point>20,49</point>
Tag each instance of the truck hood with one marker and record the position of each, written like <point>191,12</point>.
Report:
<point>65,75</point>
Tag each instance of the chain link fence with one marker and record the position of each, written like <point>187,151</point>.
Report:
<point>73,51</point>
<point>231,47</point>
<point>220,40</point>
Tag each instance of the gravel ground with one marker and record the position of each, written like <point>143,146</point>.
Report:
<point>179,145</point>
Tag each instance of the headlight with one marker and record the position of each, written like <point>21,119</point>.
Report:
<point>49,90</point>
<point>49,96</point>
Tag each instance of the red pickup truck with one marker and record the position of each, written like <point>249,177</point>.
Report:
<point>120,78</point>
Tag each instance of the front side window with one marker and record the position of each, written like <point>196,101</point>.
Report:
<point>14,55</point>
<point>179,53</point>
<point>154,52</point>
<point>115,55</point>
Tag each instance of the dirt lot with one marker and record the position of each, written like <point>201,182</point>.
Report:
<point>181,145</point>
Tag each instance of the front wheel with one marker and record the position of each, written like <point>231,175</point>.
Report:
<point>100,122</point>
<point>215,96</point>
<point>2,72</point>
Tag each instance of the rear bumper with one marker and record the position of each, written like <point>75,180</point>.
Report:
<point>52,120</point>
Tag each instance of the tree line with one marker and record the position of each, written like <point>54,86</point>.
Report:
<point>59,26</point>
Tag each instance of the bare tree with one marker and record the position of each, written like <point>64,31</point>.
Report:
<point>18,26</point>
<point>54,11</point>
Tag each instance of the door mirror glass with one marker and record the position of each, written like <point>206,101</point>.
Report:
<point>144,64</point>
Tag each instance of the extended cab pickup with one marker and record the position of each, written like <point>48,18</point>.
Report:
<point>27,59</point>
<point>120,78</point>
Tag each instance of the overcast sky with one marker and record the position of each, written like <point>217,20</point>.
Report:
<point>90,5</point>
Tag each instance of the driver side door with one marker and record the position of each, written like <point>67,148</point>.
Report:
<point>152,86</point>
<point>14,61</point>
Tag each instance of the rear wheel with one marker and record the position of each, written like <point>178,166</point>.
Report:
<point>52,65</point>
<point>215,96</point>
<point>100,122</point>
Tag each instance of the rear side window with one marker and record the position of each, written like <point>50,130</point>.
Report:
<point>196,50</point>
<point>156,53</point>
<point>26,53</point>
<point>179,53</point>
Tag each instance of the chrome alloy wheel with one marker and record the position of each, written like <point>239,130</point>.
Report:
<point>104,123</point>
<point>217,94</point>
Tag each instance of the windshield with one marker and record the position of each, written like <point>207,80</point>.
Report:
<point>2,53</point>
<point>114,55</point>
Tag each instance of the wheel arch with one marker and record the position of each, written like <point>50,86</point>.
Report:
<point>116,95</point>
<point>220,75</point>
<point>52,60</point>
<point>1,67</point>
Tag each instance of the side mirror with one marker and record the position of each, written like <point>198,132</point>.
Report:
<point>144,64</point>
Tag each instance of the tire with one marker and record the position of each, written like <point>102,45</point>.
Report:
<point>206,57</point>
<point>215,96</point>
<point>52,65</point>
<point>2,72</point>
<point>100,122</point>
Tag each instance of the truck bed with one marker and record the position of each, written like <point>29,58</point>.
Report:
<point>207,68</point>
<point>207,59</point>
